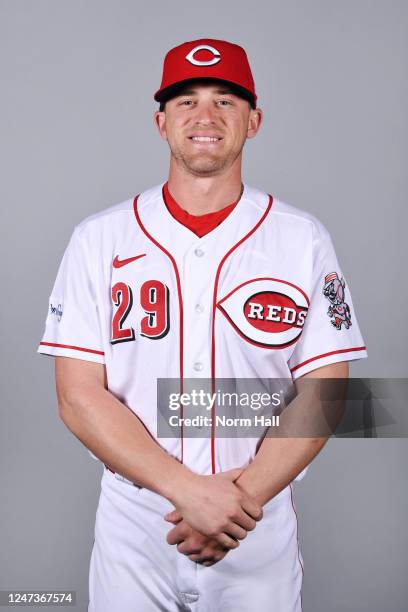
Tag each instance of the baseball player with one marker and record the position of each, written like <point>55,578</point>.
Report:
<point>202,276</point>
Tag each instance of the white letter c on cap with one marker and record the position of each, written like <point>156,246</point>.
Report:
<point>215,59</point>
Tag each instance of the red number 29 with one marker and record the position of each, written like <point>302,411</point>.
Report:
<point>154,299</point>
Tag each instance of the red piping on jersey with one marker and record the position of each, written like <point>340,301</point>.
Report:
<point>75,348</point>
<point>180,297</point>
<point>348,350</point>
<point>214,307</point>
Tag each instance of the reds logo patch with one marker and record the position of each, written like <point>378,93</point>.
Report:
<point>267,312</point>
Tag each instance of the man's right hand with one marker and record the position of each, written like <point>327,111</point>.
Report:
<point>194,545</point>
<point>216,507</point>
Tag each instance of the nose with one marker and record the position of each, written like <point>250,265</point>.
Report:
<point>205,113</point>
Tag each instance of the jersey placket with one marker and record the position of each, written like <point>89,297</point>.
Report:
<point>199,268</point>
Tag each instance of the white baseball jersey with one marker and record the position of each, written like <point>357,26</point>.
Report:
<point>260,296</point>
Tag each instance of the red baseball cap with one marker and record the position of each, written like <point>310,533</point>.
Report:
<point>207,58</point>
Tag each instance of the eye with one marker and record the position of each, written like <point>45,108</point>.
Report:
<point>186,102</point>
<point>225,102</point>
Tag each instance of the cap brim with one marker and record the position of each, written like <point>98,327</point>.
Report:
<point>163,95</point>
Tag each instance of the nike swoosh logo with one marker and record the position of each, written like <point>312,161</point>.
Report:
<point>118,263</point>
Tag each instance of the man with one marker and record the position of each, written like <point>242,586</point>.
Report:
<point>200,277</point>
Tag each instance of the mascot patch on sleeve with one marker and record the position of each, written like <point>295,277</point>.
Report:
<point>339,311</point>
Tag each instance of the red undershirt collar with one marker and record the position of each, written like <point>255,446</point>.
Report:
<point>199,224</point>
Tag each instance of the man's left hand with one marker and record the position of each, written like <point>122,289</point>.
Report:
<point>197,547</point>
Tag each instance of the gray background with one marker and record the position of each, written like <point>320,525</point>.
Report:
<point>77,136</point>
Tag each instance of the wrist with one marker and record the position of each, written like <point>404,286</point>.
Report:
<point>247,484</point>
<point>176,484</point>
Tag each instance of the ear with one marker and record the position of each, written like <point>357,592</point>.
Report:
<point>160,121</point>
<point>254,122</point>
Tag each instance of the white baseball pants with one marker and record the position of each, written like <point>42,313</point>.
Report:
<point>133,569</point>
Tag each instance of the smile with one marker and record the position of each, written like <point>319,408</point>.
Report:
<point>204,139</point>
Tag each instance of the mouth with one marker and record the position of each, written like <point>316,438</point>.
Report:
<point>205,139</point>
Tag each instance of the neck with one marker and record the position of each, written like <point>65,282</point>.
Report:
<point>200,195</point>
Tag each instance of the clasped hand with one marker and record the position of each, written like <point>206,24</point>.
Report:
<point>212,515</point>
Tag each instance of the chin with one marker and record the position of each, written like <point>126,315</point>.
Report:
<point>205,164</point>
<point>205,168</point>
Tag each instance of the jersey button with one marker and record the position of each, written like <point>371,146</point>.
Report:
<point>198,366</point>
<point>199,252</point>
<point>199,308</point>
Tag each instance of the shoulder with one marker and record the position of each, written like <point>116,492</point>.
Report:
<point>116,216</point>
<point>292,215</point>
<point>292,222</point>
<point>295,220</point>
<point>114,213</point>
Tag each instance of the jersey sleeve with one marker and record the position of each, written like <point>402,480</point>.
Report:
<point>72,327</point>
<point>331,332</point>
